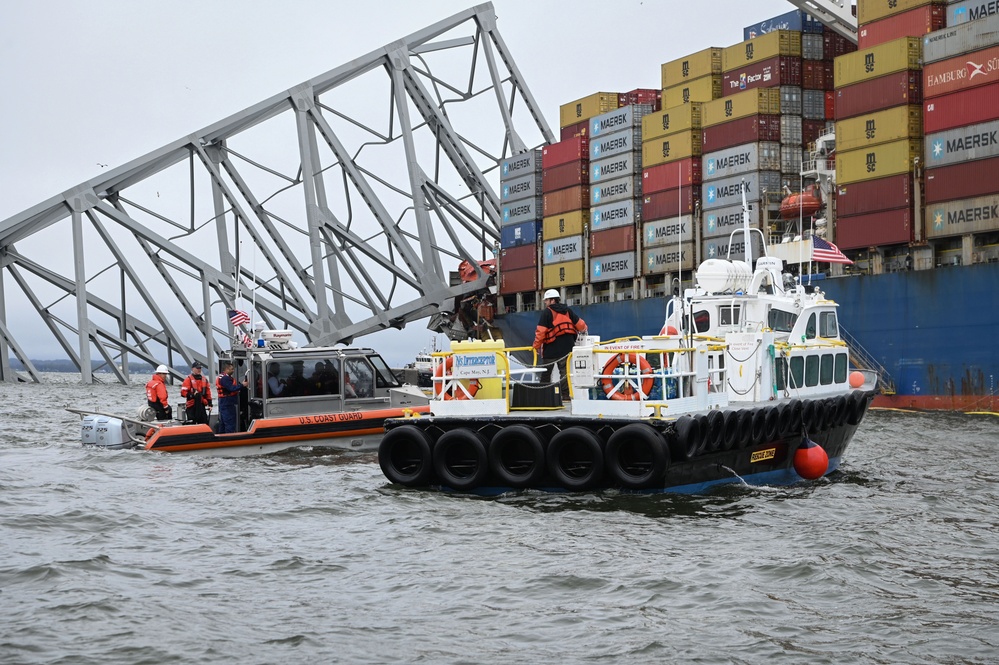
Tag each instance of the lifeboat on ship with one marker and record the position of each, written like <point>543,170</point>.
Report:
<point>804,204</point>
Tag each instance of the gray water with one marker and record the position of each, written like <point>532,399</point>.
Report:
<point>134,557</point>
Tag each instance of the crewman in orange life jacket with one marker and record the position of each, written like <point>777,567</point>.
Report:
<point>156,394</point>
<point>555,336</point>
<point>198,392</point>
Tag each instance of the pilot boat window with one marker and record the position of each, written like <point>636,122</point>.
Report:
<point>842,361</point>
<point>702,321</point>
<point>811,371</point>
<point>827,324</point>
<point>384,378</point>
<point>324,378</point>
<point>728,315</point>
<point>781,321</point>
<point>826,370</point>
<point>358,378</point>
<point>797,372</point>
<point>810,327</point>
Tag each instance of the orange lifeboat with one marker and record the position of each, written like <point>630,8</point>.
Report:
<point>806,205</point>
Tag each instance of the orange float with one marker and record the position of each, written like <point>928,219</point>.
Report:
<point>444,369</point>
<point>627,392</point>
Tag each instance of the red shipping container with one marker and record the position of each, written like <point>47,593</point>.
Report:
<point>564,200</point>
<point>663,205</point>
<point>816,75</point>
<point>835,45</point>
<point>569,150</point>
<point>962,181</point>
<point>570,174</point>
<point>651,96</point>
<point>961,73</point>
<point>878,94</point>
<point>874,195</point>
<point>612,241</point>
<point>518,258</point>
<point>888,227</point>
<point>959,109</point>
<point>737,132</point>
<point>579,129</point>
<point>913,23</point>
<point>830,105</point>
<point>811,130</point>
<point>681,173</point>
<point>518,281</point>
<point>782,70</point>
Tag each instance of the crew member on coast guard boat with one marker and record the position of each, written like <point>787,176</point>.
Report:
<point>198,392</point>
<point>156,394</point>
<point>555,336</point>
<point>228,390</point>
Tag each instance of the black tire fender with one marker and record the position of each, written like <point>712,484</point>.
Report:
<point>575,459</point>
<point>745,427</point>
<point>715,431</point>
<point>460,459</point>
<point>730,435</point>
<point>759,426</point>
<point>517,456</point>
<point>636,456</point>
<point>772,430</point>
<point>404,456</point>
<point>686,439</point>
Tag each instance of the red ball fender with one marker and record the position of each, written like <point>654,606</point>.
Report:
<point>627,392</point>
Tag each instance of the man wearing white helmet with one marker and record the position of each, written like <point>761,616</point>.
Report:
<point>156,394</point>
<point>555,336</point>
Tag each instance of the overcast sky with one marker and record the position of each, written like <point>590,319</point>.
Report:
<point>103,82</point>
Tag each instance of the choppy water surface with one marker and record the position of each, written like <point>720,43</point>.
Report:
<point>129,557</point>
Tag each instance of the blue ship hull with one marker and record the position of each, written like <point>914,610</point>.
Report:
<point>931,330</point>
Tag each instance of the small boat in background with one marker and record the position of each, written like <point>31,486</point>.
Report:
<point>319,397</point>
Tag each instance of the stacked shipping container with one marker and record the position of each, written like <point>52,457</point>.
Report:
<point>878,133</point>
<point>961,88</point>
<point>520,191</point>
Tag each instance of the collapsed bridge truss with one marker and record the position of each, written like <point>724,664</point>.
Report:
<point>341,205</point>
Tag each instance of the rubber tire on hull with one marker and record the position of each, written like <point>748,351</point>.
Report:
<point>809,409</point>
<point>575,459</point>
<point>795,406</point>
<point>517,456</point>
<point>842,409</point>
<point>716,429</point>
<point>686,439</point>
<point>636,456</point>
<point>745,427</point>
<point>858,407</point>
<point>784,413</point>
<point>759,426</point>
<point>730,436</point>
<point>702,420</point>
<point>460,459</point>
<point>772,430</point>
<point>404,456</point>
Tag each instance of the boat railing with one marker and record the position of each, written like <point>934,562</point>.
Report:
<point>863,360</point>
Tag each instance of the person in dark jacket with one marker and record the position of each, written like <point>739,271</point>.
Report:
<point>228,390</point>
<point>555,336</point>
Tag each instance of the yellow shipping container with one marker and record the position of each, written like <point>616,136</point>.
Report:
<point>694,66</point>
<point>879,161</point>
<point>764,47</point>
<point>587,107</point>
<point>570,273</point>
<point>565,225</point>
<point>671,147</point>
<point>872,10</point>
<point>741,105</point>
<point>901,122</point>
<point>703,89</point>
<point>680,118</point>
<point>888,58</point>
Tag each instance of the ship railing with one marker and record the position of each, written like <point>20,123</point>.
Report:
<point>659,377</point>
<point>863,360</point>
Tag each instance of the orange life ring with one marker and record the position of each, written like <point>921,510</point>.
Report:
<point>627,391</point>
<point>445,368</point>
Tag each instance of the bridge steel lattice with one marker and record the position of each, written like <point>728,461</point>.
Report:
<point>337,208</point>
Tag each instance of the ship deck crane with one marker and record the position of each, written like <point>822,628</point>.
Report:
<point>835,14</point>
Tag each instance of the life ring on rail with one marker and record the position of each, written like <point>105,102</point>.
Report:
<point>627,391</point>
<point>439,382</point>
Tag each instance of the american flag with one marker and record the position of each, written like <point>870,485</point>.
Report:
<point>826,252</point>
<point>247,341</point>
<point>238,317</point>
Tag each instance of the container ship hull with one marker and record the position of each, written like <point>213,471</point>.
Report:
<point>929,330</point>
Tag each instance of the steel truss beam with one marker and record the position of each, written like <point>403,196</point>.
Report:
<point>322,209</point>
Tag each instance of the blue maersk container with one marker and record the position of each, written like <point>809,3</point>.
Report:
<point>793,20</point>
<point>515,235</point>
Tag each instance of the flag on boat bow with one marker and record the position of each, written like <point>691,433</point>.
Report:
<point>826,252</point>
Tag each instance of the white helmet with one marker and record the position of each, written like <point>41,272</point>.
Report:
<point>162,369</point>
<point>551,293</point>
